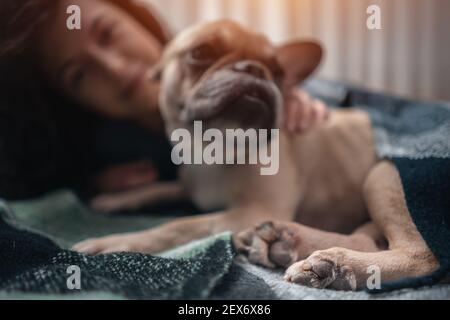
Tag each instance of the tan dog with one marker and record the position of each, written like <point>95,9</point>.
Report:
<point>338,206</point>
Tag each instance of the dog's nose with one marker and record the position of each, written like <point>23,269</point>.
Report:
<point>250,67</point>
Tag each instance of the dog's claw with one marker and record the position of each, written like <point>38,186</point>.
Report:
<point>320,272</point>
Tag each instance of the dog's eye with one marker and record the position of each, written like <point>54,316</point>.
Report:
<point>203,55</point>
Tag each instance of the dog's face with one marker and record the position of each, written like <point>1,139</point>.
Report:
<point>230,77</point>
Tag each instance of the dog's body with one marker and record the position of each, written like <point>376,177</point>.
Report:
<point>330,181</point>
<point>322,171</point>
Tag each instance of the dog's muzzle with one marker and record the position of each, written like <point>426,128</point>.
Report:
<point>243,95</point>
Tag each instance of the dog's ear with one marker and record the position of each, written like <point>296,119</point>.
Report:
<point>299,60</point>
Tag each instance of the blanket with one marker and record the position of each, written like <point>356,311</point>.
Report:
<point>34,266</point>
<point>35,257</point>
<point>35,235</point>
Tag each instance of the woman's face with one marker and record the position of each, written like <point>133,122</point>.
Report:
<point>104,64</point>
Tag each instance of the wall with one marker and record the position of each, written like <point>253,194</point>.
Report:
<point>409,56</point>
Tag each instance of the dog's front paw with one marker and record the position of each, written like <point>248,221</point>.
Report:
<point>271,244</point>
<point>116,243</point>
<point>322,270</point>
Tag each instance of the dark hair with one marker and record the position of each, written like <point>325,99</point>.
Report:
<point>20,18</point>
<point>18,21</point>
<point>45,138</point>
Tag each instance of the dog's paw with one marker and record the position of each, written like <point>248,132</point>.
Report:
<point>115,243</point>
<point>322,270</point>
<point>271,244</point>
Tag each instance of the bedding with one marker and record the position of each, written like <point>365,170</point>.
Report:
<point>36,264</point>
<point>34,259</point>
<point>35,235</point>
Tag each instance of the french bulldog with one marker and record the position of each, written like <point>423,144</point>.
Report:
<point>331,211</point>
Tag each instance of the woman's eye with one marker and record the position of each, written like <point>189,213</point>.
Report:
<point>278,75</point>
<point>204,54</point>
<point>106,35</point>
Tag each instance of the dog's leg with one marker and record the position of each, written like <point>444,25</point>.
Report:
<point>407,256</point>
<point>280,244</point>
<point>177,232</point>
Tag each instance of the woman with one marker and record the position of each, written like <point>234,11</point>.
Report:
<point>98,70</point>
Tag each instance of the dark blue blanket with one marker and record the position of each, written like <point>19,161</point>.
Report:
<point>31,263</point>
<point>415,135</point>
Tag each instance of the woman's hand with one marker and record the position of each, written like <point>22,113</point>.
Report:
<point>303,112</point>
<point>124,177</point>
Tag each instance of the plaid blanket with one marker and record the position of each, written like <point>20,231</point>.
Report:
<point>35,235</point>
<point>31,263</point>
<point>34,261</point>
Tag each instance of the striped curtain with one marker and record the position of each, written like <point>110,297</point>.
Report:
<point>410,56</point>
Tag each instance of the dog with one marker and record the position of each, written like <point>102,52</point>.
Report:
<point>333,209</point>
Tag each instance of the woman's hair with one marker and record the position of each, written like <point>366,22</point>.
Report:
<point>20,18</point>
<point>44,136</point>
<point>146,15</point>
